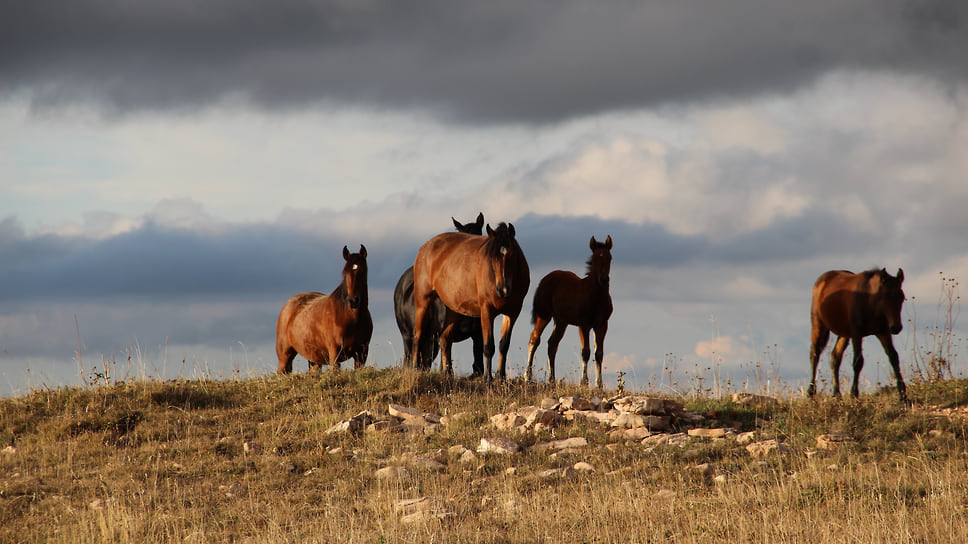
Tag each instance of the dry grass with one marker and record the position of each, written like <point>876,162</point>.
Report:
<point>153,461</point>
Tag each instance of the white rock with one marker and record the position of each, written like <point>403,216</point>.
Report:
<point>403,412</point>
<point>498,445</point>
<point>582,466</point>
<point>393,473</point>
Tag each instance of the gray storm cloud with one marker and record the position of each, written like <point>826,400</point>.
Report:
<point>480,61</point>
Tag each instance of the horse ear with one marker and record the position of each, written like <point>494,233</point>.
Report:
<point>608,242</point>
<point>900,275</point>
<point>346,253</point>
<point>511,230</point>
<point>480,220</point>
<point>456,224</point>
<point>362,251</point>
<point>490,231</point>
<point>591,243</point>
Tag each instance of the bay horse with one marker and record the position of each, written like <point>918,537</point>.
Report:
<point>566,299</point>
<point>328,329</point>
<point>467,327</point>
<point>853,306</point>
<point>475,276</point>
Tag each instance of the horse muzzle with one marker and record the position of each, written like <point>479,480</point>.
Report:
<point>503,291</point>
<point>895,329</point>
<point>603,281</point>
<point>354,302</point>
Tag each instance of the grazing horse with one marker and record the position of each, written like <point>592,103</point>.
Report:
<point>569,300</point>
<point>328,329</point>
<point>467,327</point>
<point>853,306</point>
<point>476,276</point>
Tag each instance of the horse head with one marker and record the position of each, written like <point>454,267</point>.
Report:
<point>470,228</point>
<point>600,263</point>
<point>502,252</point>
<point>888,297</point>
<point>354,277</point>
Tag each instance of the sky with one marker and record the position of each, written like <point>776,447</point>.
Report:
<point>171,172</point>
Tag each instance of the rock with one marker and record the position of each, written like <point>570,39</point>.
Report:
<point>508,421</point>
<point>403,412</point>
<point>549,403</point>
<point>591,415</point>
<point>833,440</point>
<point>677,439</point>
<point>9,450</point>
<point>251,447</point>
<point>708,433</point>
<point>720,479</point>
<point>385,425</point>
<point>354,425</point>
<point>547,418</point>
<point>288,467</point>
<point>426,463</point>
<point>706,469</point>
<point>767,447</point>
<point>457,450</point>
<point>575,403</point>
<point>567,443</point>
<point>582,466</point>
<point>629,420</point>
<point>498,445</point>
<point>563,473</point>
<point>467,458</point>
<point>745,438</point>
<point>749,399</point>
<point>393,473</point>
<point>423,517</point>
<point>409,506</point>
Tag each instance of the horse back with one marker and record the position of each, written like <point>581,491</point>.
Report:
<point>445,265</point>
<point>838,303</point>
<point>568,298</point>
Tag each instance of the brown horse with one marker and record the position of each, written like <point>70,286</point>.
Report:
<point>475,276</point>
<point>569,300</point>
<point>328,329</point>
<point>853,306</point>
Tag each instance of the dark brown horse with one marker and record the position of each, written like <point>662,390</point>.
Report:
<point>853,306</point>
<point>467,327</point>
<point>475,276</point>
<point>569,300</point>
<point>328,329</point>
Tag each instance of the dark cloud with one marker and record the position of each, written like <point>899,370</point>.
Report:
<point>485,61</point>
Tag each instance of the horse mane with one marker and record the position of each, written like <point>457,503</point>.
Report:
<point>501,238</point>
<point>588,266</point>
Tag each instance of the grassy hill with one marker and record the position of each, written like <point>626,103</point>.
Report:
<point>251,461</point>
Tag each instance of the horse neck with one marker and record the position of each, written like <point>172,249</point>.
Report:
<point>593,289</point>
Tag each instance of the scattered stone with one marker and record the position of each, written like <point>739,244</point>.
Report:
<point>708,433</point>
<point>745,438</point>
<point>541,416</point>
<point>403,412</point>
<point>677,439</point>
<point>423,517</point>
<point>393,473</point>
<point>498,445</point>
<point>508,421</point>
<point>9,450</point>
<point>636,434</point>
<point>425,463</point>
<point>252,448</point>
<point>720,479</point>
<point>549,403</point>
<point>706,469</point>
<point>563,473</point>
<point>385,425</point>
<point>467,458</point>
<point>762,449</point>
<point>630,420</point>
<point>749,399</point>
<point>582,466</point>
<point>457,450</point>
<point>833,440</point>
<point>567,443</point>
<point>354,425</point>
<point>338,450</point>
<point>605,418</point>
<point>575,403</point>
<point>288,467</point>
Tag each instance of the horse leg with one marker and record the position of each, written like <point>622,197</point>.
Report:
<point>478,348</point>
<point>556,335</point>
<point>506,328</point>
<point>487,335</point>
<point>836,355</point>
<point>819,335</point>
<point>359,357</point>
<point>888,344</point>
<point>599,353</point>
<point>586,352</point>
<point>446,363</point>
<point>286,354</point>
<point>539,327</point>
<point>419,316</point>
<point>858,364</point>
